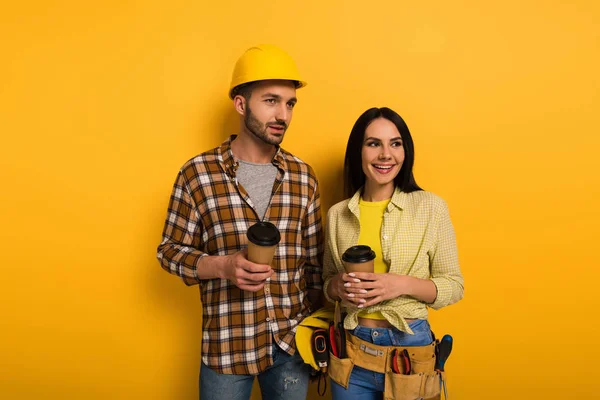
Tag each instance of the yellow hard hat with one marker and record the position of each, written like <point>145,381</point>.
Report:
<point>318,319</point>
<point>263,62</point>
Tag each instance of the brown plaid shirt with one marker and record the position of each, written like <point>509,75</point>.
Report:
<point>209,214</point>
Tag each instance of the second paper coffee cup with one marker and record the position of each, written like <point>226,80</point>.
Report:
<point>263,238</point>
<point>359,259</point>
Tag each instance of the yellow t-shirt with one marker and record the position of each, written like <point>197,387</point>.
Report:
<point>371,219</point>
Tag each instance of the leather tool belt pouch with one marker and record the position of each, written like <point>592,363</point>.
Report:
<point>421,382</point>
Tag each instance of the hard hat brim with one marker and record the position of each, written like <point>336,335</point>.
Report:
<point>299,84</point>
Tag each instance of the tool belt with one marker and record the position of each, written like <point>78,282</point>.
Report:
<point>417,379</point>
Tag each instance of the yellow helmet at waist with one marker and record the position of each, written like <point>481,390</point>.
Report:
<point>264,62</point>
<point>318,319</point>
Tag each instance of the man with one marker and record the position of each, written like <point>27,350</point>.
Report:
<point>250,311</point>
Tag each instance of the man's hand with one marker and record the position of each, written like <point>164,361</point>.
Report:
<point>245,274</point>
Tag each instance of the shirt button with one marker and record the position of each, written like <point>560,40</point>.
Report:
<point>268,279</point>
<point>385,237</point>
<point>268,319</point>
<point>299,315</point>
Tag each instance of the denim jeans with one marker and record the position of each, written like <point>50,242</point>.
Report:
<point>369,385</point>
<point>286,379</point>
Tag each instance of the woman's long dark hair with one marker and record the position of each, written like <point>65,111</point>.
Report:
<point>354,177</point>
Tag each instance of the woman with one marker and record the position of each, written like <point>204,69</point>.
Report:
<point>416,264</point>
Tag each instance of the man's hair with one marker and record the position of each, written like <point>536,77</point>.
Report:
<point>244,90</point>
<point>354,177</point>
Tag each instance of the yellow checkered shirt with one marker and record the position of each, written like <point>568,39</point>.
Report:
<point>417,239</point>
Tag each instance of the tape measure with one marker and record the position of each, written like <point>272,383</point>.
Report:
<point>320,347</point>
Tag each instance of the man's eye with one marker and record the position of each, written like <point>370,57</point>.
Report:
<point>270,101</point>
<point>291,105</point>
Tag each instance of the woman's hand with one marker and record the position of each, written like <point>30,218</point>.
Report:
<point>367,289</point>
<point>338,289</point>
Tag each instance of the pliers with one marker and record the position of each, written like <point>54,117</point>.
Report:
<point>332,339</point>
<point>401,358</point>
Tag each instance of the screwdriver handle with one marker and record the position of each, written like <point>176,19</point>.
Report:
<point>444,350</point>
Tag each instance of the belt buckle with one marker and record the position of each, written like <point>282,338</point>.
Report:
<point>371,351</point>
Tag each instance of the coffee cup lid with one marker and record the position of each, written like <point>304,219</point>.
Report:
<point>264,234</point>
<point>358,254</point>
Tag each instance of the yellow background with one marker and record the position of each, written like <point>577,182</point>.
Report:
<point>102,102</point>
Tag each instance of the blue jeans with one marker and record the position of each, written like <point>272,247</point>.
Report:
<point>286,379</point>
<point>369,385</point>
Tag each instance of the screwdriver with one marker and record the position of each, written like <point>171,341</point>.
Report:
<point>444,350</point>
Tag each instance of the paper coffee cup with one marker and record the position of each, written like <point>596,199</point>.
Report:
<point>359,259</point>
<point>263,238</point>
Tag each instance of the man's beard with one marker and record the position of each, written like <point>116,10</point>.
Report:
<point>260,131</point>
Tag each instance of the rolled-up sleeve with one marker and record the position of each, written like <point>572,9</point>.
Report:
<point>445,268</point>
<point>178,252</point>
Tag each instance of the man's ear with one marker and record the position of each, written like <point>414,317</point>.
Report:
<point>239,102</point>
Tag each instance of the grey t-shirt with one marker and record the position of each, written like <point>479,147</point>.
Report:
<point>258,181</point>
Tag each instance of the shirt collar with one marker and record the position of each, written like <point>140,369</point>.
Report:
<point>397,201</point>
<point>231,165</point>
<point>226,156</point>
